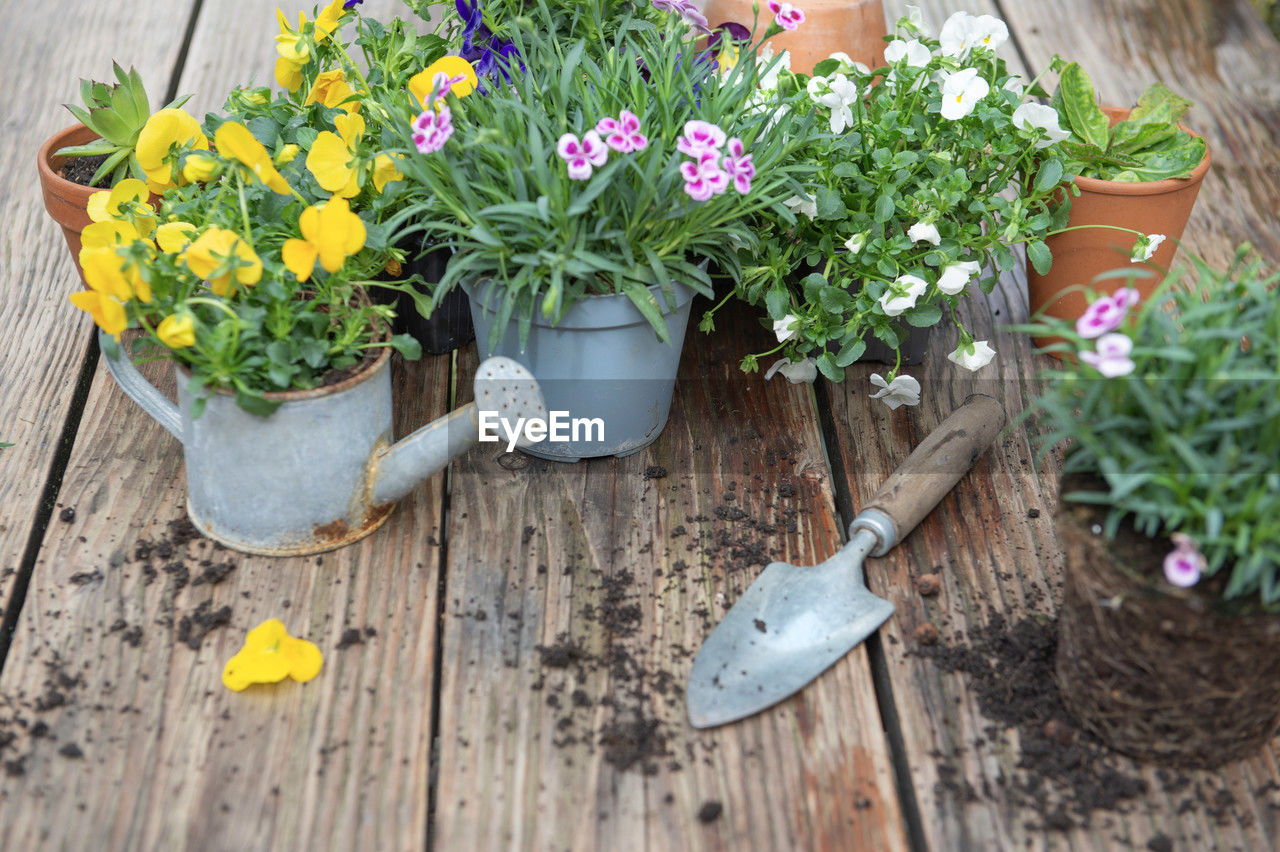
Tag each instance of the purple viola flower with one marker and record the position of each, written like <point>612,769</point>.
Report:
<point>704,178</point>
<point>685,9</point>
<point>622,134</point>
<point>1184,564</point>
<point>487,53</point>
<point>351,4</point>
<point>700,138</point>
<point>432,129</point>
<point>735,32</point>
<point>580,155</point>
<point>737,165</point>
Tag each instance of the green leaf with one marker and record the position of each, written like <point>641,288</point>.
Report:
<point>828,367</point>
<point>884,208</point>
<point>923,316</point>
<point>830,204</point>
<point>1176,159</point>
<point>851,352</point>
<point>648,307</point>
<point>1040,256</point>
<point>1085,118</point>
<point>1049,176</point>
<point>255,404</point>
<point>777,301</point>
<point>824,67</point>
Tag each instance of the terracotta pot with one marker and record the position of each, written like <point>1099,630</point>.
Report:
<point>1153,207</point>
<point>855,27</point>
<point>1163,674</point>
<point>66,201</point>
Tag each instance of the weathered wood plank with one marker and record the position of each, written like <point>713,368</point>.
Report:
<point>47,47</point>
<point>575,597</point>
<point>171,759</point>
<point>994,557</point>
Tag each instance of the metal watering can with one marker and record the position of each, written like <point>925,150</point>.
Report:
<point>321,471</point>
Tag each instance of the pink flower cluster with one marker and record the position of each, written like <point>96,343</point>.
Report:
<point>1106,313</point>
<point>622,134</point>
<point>786,15</point>
<point>717,160</point>
<point>432,129</point>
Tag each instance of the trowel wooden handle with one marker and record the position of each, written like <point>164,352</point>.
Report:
<point>935,466</point>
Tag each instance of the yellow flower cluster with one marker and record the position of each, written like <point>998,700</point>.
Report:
<point>293,47</point>
<point>166,133</point>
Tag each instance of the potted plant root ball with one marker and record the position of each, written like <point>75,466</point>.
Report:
<point>1169,634</point>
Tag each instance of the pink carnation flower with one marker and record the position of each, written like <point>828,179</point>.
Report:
<point>1106,313</point>
<point>622,134</point>
<point>432,129</point>
<point>786,15</point>
<point>704,178</point>
<point>580,155</point>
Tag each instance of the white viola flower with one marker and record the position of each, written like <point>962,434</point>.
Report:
<point>843,58</point>
<point>769,80</point>
<point>807,206</point>
<point>902,294</point>
<point>903,390</point>
<point>957,35</point>
<point>796,372</point>
<point>1030,117</point>
<point>924,232</point>
<point>961,91</point>
<point>973,356</point>
<point>1145,247</point>
<point>855,243</point>
<point>841,92</point>
<point>916,54</point>
<point>915,18</point>
<point>1111,357</point>
<point>1014,84</point>
<point>784,327</point>
<point>817,87</point>
<point>957,276</point>
<point>989,32</point>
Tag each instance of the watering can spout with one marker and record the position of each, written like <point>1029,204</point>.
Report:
<point>502,386</point>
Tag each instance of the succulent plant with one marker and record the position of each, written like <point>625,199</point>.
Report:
<point>116,112</point>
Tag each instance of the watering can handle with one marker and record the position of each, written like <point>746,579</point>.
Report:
<point>931,471</point>
<point>141,391</point>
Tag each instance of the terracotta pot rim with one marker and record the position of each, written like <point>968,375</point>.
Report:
<point>1149,187</point>
<point>49,172</point>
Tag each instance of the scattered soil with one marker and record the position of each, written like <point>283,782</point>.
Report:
<point>355,636</point>
<point>82,169</point>
<point>928,585</point>
<point>710,812</point>
<point>193,628</point>
<point>67,515</point>
<point>655,472</point>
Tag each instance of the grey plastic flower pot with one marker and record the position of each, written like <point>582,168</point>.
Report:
<point>603,372</point>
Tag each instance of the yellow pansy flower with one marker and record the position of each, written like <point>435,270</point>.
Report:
<point>173,237</point>
<point>166,129</point>
<point>212,250</point>
<point>199,167</point>
<point>177,331</point>
<point>384,171</point>
<point>331,89</point>
<point>332,158</point>
<point>330,233</point>
<point>327,20</point>
<point>107,312</point>
<point>109,234</point>
<point>106,271</point>
<point>422,83</point>
<point>270,655</point>
<point>235,141</point>
<point>286,155</point>
<point>107,203</point>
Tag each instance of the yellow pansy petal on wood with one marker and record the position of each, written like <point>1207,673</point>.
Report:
<point>269,655</point>
<point>299,256</point>
<point>107,313</point>
<point>177,332</point>
<point>172,237</point>
<point>384,171</point>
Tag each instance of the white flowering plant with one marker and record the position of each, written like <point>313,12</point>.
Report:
<point>1173,405</point>
<point>934,167</point>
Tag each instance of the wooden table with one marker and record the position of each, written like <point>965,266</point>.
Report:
<point>505,660</point>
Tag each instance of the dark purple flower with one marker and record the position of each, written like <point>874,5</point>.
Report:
<point>737,33</point>
<point>351,3</point>
<point>486,52</point>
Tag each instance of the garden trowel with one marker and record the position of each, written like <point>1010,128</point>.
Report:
<point>792,623</point>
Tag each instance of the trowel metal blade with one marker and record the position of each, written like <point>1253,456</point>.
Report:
<point>789,626</point>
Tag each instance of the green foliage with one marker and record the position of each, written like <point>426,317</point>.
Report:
<point>1147,146</point>
<point>1188,441</point>
<point>891,162</point>
<point>117,112</point>
<point>500,195</point>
